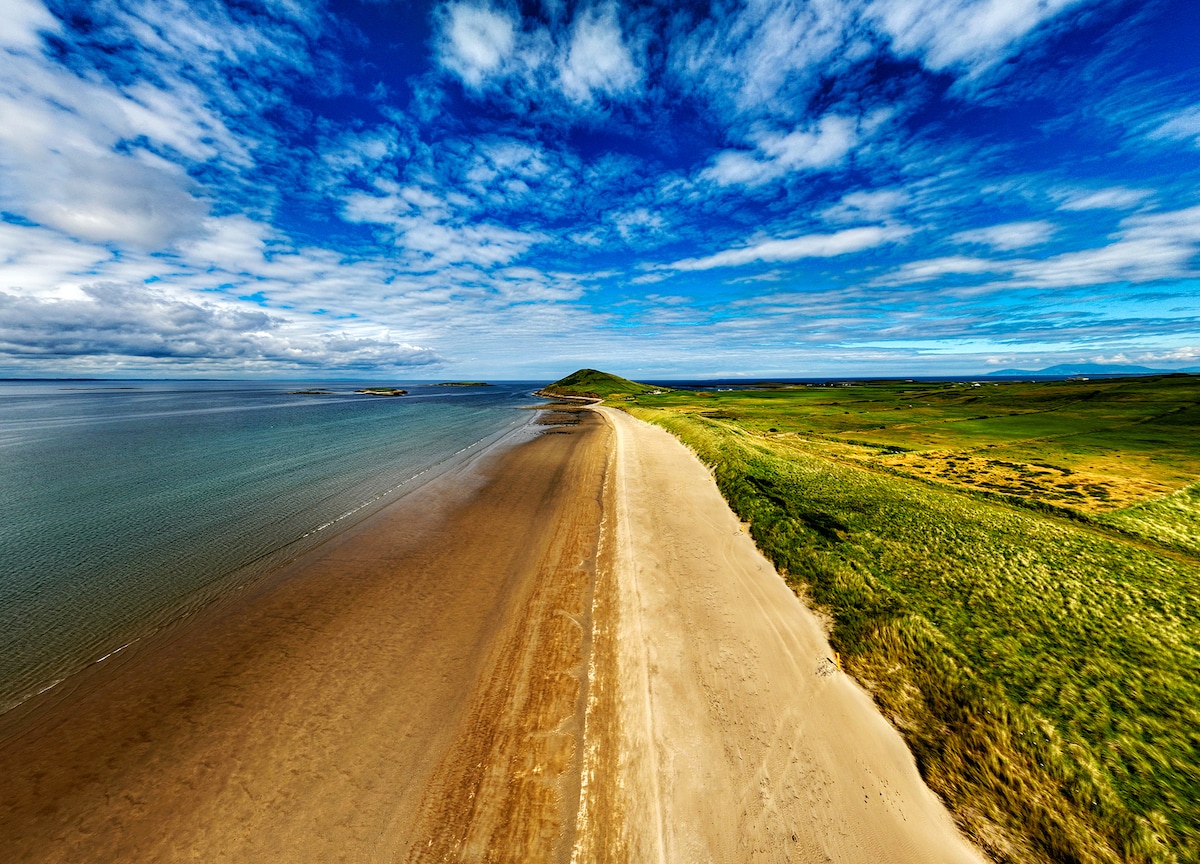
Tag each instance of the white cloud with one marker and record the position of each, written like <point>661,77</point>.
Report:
<point>638,225</point>
<point>795,248</point>
<point>42,262</point>
<point>377,209</point>
<point>429,244</point>
<point>122,321</point>
<point>1149,247</point>
<point>1180,126</point>
<point>822,146</point>
<point>489,48</point>
<point>598,60</point>
<point>972,35</point>
<point>764,53</point>
<point>1146,248</point>
<point>477,40</point>
<point>1111,198</point>
<point>104,158</point>
<point>365,154</point>
<point>59,167</point>
<point>1008,236</point>
<point>22,22</point>
<point>866,206</point>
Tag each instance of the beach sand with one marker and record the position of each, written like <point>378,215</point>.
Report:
<point>740,739</point>
<point>408,691</point>
<point>566,650</point>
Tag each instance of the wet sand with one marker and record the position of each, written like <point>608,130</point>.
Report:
<point>567,650</point>
<point>409,691</point>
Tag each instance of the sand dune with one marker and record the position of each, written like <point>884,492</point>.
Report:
<point>566,650</point>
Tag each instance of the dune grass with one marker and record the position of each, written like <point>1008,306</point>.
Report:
<point>1045,670</point>
<point>1173,521</point>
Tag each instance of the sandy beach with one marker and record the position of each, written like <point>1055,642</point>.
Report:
<point>740,738</point>
<point>565,650</point>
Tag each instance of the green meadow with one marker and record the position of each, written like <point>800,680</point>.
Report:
<point>1011,569</point>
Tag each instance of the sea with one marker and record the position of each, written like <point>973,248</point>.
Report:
<point>125,505</point>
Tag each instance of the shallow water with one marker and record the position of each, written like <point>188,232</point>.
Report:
<point>123,505</point>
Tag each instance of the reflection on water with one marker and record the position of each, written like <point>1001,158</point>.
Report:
<point>122,505</point>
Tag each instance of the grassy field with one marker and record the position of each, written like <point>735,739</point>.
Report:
<point>1013,570</point>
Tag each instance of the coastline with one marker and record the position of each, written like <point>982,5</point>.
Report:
<point>565,650</point>
<point>322,714</point>
<point>740,738</point>
<point>198,527</point>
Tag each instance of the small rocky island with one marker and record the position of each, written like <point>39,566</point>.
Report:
<point>464,384</point>
<point>382,391</point>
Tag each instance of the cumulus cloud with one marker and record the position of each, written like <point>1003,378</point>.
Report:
<point>430,244</point>
<point>363,154</point>
<point>428,234</point>
<point>106,148</point>
<point>490,49</point>
<point>60,166</point>
<point>1010,235</point>
<point>176,144</point>
<point>22,22</point>
<point>763,55</point>
<point>477,40</point>
<point>113,320</point>
<point>795,248</point>
<point>866,206</point>
<point>639,225</point>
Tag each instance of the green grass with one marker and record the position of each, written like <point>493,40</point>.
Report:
<point>1173,521</point>
<point>592,384</point>
<point>1044,670</point>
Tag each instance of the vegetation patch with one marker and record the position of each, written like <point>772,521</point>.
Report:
<point>591,384</point>
<point>1051,484</point>
<point>1172,521</point>
<point>1044,670</point>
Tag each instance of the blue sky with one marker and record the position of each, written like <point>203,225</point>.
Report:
<point>352,188</point>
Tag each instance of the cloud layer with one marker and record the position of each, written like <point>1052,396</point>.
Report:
<point>800,186</point>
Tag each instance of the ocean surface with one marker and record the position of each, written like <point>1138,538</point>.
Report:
<point>124,505</point>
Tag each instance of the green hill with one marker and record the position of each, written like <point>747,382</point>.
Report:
<point>593,384</point>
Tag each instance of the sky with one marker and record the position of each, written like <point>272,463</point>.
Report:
<point>472,188</point>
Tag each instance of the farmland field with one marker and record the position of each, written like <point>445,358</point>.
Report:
<point>1012,570</point>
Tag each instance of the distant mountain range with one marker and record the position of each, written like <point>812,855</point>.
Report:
<point>1093,369</point>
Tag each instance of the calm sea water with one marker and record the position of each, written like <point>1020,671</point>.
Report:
<point>125,505</point>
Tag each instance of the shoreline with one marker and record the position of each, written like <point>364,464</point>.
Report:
<point>742,739</point>
<point>321,711</point>
<point>228,587</point>
<point>564,650</point>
